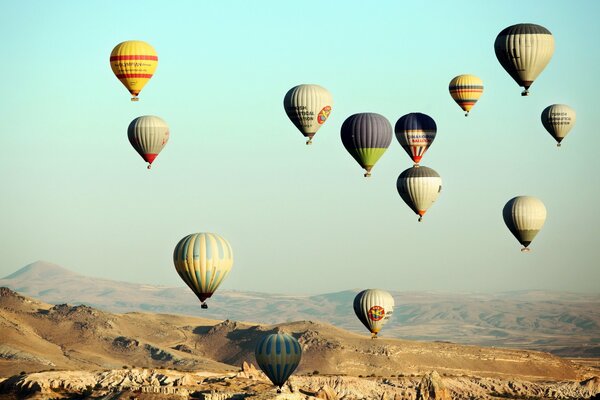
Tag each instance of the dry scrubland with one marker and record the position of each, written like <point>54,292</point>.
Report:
<point>565,324</point>
<point>158,355</point>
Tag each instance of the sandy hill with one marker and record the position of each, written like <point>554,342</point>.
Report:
<point>39,336</point>
<point>566,324</point>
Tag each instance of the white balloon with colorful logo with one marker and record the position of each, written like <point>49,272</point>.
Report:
<point>308,107</point>
<point>373,307</point>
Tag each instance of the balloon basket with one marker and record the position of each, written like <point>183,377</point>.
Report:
<point>204,306</point>
<point>525,250</point>
<point>420,219</point>
<point>135,99</point>
<point>149,166</point>
<point>367,174</point>
<point>557,144</point>
<point>525,92</point>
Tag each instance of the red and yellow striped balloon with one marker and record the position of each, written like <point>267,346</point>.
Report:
<point>466,90</point>
<point>133,62</point>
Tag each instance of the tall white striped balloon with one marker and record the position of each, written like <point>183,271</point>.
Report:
<point>373,307</point>
<point>148,135</point>
<point>524,216</point>
<point>558,119</point>
<point>524,50</point>
<point>419,187</point>
<point>203,260</point>
<point>308,107</point>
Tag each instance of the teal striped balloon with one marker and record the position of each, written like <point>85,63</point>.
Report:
<point>278,355</point>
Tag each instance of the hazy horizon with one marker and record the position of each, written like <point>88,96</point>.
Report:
<point>300,219</point>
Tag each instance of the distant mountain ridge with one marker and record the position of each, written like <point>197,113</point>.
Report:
<point>560,322</point>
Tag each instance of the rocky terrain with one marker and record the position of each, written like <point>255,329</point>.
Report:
<point>248,383</point>
<point>566,324</point>
<point>65,350</point>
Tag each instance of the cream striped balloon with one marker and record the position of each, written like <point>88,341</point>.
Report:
<point>419,187</point>
<point>148,135</point>
<point>373,307</point>
<point>308,107</point>
<point>524,216</point>
<point>524,50</point>
<point>558,119</point>
<point>203,260</point>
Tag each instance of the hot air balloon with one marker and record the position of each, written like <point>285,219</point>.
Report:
<point>524,216</point>
<point>466,90</point>
<point>558,119</point>
<point>308,106</point>
<point>366,136</point>
<point>203,260</point>
<point>415,132</point>
<point>524,50</point>
<point>419,187</point>
<point>373,307</point>
<point>133,62</point>
<point>278,355</point>
<point>148,135</point>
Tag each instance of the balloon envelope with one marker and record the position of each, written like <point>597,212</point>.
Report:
<point>524,50</point>
<point>366,136</point>
<point>278,355</point>
<point>148,135</point>
<point>558,119</point>
<point>419,187</point>
<point>133,62</point>
<point>415,133</point>
<point>203,260</point>
<point>524,216</point>
<point>466,90</point>
<point>308,107</point>
<point>373,307</point>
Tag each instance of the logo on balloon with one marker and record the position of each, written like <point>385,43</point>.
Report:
<point>376,313</point>
<point>323,115</point>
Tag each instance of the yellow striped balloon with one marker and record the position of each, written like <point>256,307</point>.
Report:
<point>203,260</point>
<point>133,62</point>
<point>466,90</point>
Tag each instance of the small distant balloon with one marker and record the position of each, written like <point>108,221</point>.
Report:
<point>419,187</point>
<point>278,356</point>
<point>133,62</point>
<point>203,261</point>
<point>148,135</point>
<point>308,107</point>
<point>524,50</point>
<point>558,119</point>
<point>415,133</point>
<point>524,216</point>
<point>466,90</point>
<point>373,307</point>
<point>366,136</point>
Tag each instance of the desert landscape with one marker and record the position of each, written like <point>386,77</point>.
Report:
<point>76,351</point>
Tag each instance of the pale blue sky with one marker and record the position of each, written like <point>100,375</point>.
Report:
<point>300,220</point>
